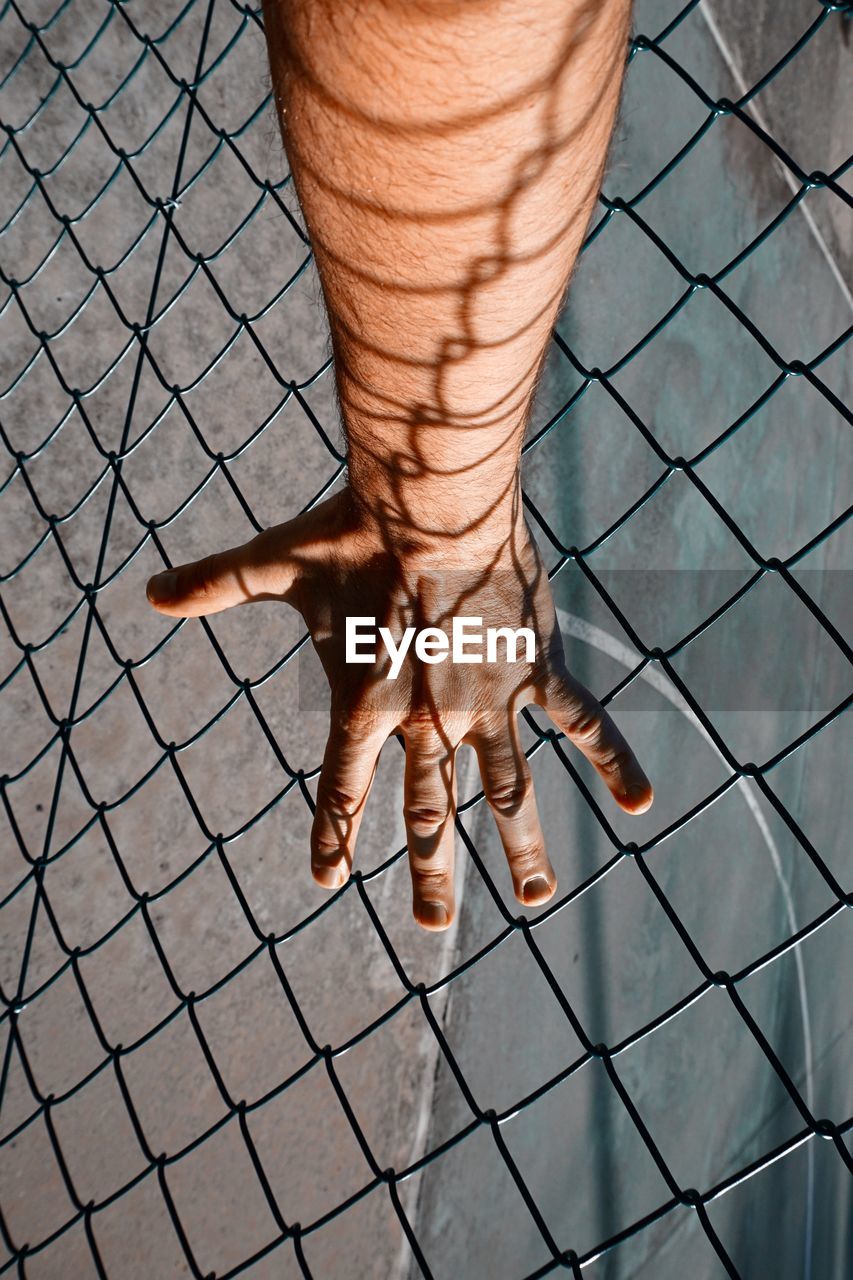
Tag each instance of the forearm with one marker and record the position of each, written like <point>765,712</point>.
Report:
<point>447,157</point>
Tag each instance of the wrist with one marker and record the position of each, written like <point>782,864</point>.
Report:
<point>431,522</point>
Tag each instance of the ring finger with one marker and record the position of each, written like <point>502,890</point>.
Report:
<point>508,787</point>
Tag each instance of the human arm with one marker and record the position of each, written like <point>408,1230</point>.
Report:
<point>447,155</point>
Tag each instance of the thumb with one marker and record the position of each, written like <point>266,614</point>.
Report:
<point>255,570</point>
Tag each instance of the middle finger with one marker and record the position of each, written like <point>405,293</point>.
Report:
<point>429,787</point>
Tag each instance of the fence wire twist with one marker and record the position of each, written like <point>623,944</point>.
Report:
<point>163,228</point>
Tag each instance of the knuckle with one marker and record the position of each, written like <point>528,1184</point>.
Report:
<point>361,719</point>
<point>432,884</point>
<point>424,726</point>
<point>548,668</point>
<point>508,795</point>
<point>434,729</point>
<point>526,859</point>
<point>339,801</point>
<point>615,761</point>
<point>585,726</point>
<point>204,577</point>
<point>363,713</point>
<point>425,820</point>
<point>422,717</point>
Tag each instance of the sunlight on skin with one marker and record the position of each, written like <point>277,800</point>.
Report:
<point>447,155</point>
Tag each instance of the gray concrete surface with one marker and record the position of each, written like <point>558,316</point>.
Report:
<point>737,877</point>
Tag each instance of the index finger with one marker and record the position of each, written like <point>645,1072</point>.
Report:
<point>349,766</point>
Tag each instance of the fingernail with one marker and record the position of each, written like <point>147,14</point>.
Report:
<point>536,889</point>
<point>433,914</point>
<point>162,587</point>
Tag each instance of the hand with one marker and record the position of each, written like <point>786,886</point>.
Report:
<point>333,563</point>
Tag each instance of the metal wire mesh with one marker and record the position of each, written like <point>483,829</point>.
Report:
<point>179,105</point>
